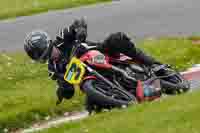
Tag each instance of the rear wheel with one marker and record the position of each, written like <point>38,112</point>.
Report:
<point>100,95</point>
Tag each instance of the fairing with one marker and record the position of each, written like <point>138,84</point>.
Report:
<point>89,56</point>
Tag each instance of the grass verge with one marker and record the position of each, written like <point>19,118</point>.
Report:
<point>27,95</point>
<point>14,8</point>
<point>172,115</point>
<point>181,53</point>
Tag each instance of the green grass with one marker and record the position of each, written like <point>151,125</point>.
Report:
<point>179,52</point>
<point>27,95</point>
<point>14,8</point>
<point>172,115</point>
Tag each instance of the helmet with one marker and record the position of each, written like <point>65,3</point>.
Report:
<point>79,27</point>
<point>37,45</point>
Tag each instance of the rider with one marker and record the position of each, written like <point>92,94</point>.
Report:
<point>40,47</point>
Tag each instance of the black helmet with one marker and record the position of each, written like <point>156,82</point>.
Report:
<point>38,46</point>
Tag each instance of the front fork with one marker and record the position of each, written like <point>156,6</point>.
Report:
<point>99,76</point>
<point>108,82</point>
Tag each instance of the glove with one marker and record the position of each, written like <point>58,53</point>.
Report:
<point>52,75</point>
<point>55,76</point>
<point>79,29</point>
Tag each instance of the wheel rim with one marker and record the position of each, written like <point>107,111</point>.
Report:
<point>114,93</point>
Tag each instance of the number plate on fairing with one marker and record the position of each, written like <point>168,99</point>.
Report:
<point>99,59</point>
<point>75,71</point>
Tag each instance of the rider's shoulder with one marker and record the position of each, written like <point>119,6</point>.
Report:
<point>62,32</point>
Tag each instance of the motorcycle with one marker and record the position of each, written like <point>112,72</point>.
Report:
<point>110,81</point>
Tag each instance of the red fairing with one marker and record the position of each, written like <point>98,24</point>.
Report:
<point>140,91</point>
<point>89,56</point>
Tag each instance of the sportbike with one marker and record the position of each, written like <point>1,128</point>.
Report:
<point>118,81</point>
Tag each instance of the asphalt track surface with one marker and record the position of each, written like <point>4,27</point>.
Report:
<point>138,18</point>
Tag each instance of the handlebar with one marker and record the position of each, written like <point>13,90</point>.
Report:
<point>123,73</point>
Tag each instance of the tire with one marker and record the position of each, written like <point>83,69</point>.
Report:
<point>175,84</point>
<point>98,94</point>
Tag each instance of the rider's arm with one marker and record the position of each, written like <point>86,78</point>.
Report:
<point>53,74</point>
<point>51,70</point>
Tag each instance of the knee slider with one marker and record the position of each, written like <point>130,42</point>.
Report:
<point>66,92</point>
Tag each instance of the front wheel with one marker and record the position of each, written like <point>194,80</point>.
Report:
<point>175,84</point>
<point>102,95</point>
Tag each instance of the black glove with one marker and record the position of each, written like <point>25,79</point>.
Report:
<point>55,76</point>
<point>52,75</point>
<point>79,29</point>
